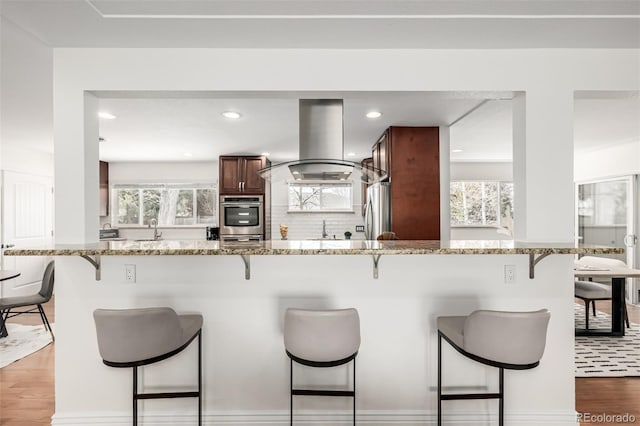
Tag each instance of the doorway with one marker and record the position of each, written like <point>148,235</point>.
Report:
<point>606,211</point>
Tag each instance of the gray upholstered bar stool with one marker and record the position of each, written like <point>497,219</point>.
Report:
<point>322,338</point>
<point>506,340</point>
<point>138,337</point>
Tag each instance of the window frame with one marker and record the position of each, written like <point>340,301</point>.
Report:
<point>499,223</point>
<point>140,187</point>
<point>346,183</point>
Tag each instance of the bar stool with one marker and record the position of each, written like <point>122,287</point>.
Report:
<point>321,338</point>
<point>506,340</point>
<point>138,337</point>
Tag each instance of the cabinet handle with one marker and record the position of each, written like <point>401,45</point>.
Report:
<point>243,186</point>
<point>239,186</point>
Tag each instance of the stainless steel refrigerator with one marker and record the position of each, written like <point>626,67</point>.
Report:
<point>377,217</point>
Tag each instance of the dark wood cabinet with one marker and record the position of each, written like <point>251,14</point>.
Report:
<point>239,174</point>
<point>411,158</point>
<point>104,188</point>
<point>380,155</point>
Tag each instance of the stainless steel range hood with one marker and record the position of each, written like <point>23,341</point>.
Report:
<point>321,137</point>
<point>321,143</point>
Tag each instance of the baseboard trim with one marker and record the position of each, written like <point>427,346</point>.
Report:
<point>316,418</point>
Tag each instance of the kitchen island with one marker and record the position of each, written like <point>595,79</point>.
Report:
<point>245,366</point>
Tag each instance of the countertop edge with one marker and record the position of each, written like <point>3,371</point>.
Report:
<point>381,248</point>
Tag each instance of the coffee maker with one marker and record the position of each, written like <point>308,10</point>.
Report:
<point>213,233</point>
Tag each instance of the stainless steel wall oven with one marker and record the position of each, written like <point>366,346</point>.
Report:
<point>242,217</point>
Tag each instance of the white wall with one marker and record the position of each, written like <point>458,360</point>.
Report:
<point>502,171</point>
<point>242,319</point>
<point>169,172</point>
<point>26,101</point>
<point>611,161</point>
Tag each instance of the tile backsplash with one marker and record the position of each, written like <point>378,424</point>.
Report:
<point>303,226</point>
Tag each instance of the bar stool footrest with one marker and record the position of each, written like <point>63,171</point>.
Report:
<point>163,395</point>
<point>322,392</point>
<point>456,396</point>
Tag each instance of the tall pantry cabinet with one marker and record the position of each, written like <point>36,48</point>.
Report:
<point>410,157</point>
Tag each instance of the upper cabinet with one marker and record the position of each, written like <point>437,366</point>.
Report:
<point>380,154</point>
<point>104,188</point>
<point>239,174</point>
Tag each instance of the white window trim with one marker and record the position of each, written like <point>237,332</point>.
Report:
<point>312,182</point>
<point>498,225</point>
<point>113,199</point>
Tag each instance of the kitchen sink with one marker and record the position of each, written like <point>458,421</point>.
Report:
<point>148,239</point>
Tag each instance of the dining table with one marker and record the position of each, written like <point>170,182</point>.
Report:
<point>618,278</point>
<point>6,274</point>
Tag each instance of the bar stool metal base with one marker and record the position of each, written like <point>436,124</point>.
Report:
<point>460,396</point>
<point>321,392</point>
<point>163,395</point>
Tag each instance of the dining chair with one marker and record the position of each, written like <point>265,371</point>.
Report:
<point>8,305</point>
<point>591,291</point>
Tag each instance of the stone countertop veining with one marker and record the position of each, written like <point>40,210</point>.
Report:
<point>309,247</point>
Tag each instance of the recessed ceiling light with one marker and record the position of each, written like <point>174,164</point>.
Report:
<point>266,154</point>
<point>374,114</point>
<point>188,154</point>
<point>106,115</point>
<point>457,150</point>
<point>351,154</point>
<point>232,114</point>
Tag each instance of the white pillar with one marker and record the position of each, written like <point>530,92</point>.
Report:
<point>76,169</point>
<point>543,165</point>
<point>445,179</point>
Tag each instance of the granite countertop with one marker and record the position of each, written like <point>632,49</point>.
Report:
<point>309,247</point>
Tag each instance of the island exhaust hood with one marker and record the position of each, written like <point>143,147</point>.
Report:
<point>321,143</point>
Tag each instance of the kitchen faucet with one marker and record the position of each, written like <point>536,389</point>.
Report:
<point>324,229</point>
<point>154,222</point>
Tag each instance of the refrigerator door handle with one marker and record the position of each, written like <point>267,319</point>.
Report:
<point>367,219</point>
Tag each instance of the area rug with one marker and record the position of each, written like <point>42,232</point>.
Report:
<point>22,340</point>
<point>606,356</point>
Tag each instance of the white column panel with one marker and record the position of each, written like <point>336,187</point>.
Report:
<point>543,164</point>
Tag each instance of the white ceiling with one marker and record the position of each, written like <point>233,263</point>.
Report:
<point>165,126</point>
<point>164,129</point>
<point>329,23</point>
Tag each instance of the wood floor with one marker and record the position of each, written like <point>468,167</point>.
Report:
<point>27,386</point>
<point>611,396</point>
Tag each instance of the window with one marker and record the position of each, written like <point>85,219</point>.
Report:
<point>481,203</point>
<point>174,205</point>
<point>320,197</point>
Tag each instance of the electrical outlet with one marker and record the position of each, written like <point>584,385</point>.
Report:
<point>130,273</point>
<point>509,274</point>
<point>359,228</point>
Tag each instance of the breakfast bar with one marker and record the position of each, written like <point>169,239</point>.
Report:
<point>92,252</point>
<point>245,367</point>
